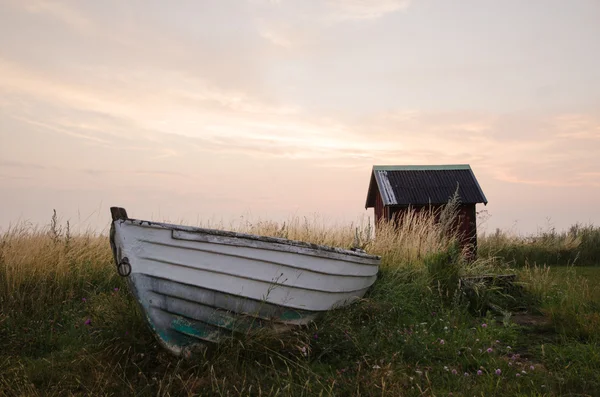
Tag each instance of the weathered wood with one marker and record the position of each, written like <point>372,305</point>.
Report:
<point>267,243</point>
<point>118,213</point>
<point>491,279</point>
<point>487,278</point>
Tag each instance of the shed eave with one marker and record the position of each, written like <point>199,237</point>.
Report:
<point>370,202</point>
<point>485,201</point>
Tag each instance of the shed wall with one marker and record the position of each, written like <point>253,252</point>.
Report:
<point>466,222</point>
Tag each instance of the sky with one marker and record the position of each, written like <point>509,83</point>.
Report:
<point>216,111</point>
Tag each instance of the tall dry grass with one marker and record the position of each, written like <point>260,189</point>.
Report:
<point>45,265</point>
<point>403,243</point>
<point>50,264</point>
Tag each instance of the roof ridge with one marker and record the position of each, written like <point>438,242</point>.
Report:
<point>421,167</point>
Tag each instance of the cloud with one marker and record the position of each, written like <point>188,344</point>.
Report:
<point>516,148</point>
<point>137,90</point>
<point>532,149</point>
<point>22,165</point>
<point>365,9</point>
<point>578,126</point>
<point>58,10</point>
<point>160,102</point>
<point>275,37</point>
<point>90,137</point>
<point>154,173</point>
<point>13,177</point>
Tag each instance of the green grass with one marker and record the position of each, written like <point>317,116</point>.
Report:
<point>70,326</point>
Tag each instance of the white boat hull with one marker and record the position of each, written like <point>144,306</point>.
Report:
<point>198,284</point>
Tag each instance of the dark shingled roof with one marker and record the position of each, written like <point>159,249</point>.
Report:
<point>424,184</point>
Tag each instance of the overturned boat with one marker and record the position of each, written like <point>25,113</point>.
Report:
<point>198,285</point>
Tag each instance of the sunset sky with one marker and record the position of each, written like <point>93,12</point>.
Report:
<point>196,110</point>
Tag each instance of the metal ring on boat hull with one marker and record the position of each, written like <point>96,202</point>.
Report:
<point>124,267</point>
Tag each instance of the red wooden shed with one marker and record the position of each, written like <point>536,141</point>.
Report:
<point>393,189</point>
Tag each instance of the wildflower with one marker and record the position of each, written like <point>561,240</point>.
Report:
<point>445,368</point>
<point>523,372</point>
<point>442,342</point>
<point>466,374</point>
<point>479,372</point>
<point>497,341</point>
<point>484,325</point>
<point>116,289</point>
<point>508,347</point>
<point>477,340</point>
<point>316,336</point>
<point>518,375</point>
<point>446,328</point>
<point>376,367</point>
<point>498,371</point>
<point>489,350</point>
<point>532,367</point>
<point>454,372</point>
<point>88,322</point>
<point>509,364</point>
<point>83,299</point>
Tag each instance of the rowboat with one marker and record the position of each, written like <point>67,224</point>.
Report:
<point>197,286</point>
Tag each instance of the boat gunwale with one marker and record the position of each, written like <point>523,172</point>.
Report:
<point>252,237</point>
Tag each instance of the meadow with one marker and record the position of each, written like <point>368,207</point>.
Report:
<point>70,327</point>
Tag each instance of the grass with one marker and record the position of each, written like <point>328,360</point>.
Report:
<point>69,326</point>
<point>580,245</point>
